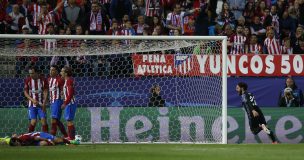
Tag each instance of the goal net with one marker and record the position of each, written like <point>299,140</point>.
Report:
<point>128,89</point>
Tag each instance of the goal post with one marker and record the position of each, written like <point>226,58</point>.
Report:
<point>116,78</point>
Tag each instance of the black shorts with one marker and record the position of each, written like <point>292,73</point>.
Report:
<point>255,122</point>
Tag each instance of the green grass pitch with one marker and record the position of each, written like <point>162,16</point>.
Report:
<point>156,152</point>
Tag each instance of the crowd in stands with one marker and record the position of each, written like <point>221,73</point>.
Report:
<point>252,26</point>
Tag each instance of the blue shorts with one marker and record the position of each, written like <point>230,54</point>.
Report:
<point>70,111</point>
<point>35,112</point>
<point>46,136</point>
<point>56,109</point>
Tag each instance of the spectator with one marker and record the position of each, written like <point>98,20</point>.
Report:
<point>35,10</point>
<point>287,25</point>
<point>128,31</point>
<point>258,29</point>
<point>114,30</point>
<point>158,30</point>
<point>281,7</point>
<point>286,48</point>
<point>44,19</point>
<point>125,19</point>
<point>249,12</point>
<point>155,99</point>
<point>238,41</point>
<point>96,21</point>
<point>119,8</point>
<point>82,63</point>
<point>296,38</point>
<point>275,19</point>
<point>300,48</point>
<point>139,27</point>
<point>154,7</point>
<point>138,8</point>
<point>157,22</point>
<point>297,93</point>
<point>237,7</point>
<point>175,18</point>
<point>260,8</point>
<point>24,8</point>
<point>71,15</point>
<point>254,47</point>
<point>15,16</point>
<point>247,34</point>
<point>176,32</point>
<point>189,28</point>
<point>230,34</point>
<point>301,12</point>
<point>226,16</point>
<point>241,21</point>
<point>271,44</point>
<point>288,100</point>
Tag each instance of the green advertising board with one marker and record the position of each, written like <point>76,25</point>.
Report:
<point>173,124</point>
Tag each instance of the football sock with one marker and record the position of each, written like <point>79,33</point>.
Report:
<point>271,135</point>
<point>54,129</point>
<point>45,128</point>
<point>31,128</point>
<point>62,128</point>
<point>71,130</point>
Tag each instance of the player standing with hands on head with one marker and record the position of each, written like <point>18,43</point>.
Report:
<point>69,104</point>
<point>55,91</point>
<point>256,118</point>
<point>36,90</point>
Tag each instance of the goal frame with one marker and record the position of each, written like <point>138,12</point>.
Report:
<point>223,40</point>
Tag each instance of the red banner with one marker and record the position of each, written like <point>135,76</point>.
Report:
<point>210,65</point>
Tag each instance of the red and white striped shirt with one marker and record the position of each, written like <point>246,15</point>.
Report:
<point>50,44</point>
<point>272,45</point>
<point>176,20</point>
<point>55,87</point>
<point>255,48</point>
<point>238,46</point>
<point>35,89</point>
<point>152,8</point>
<point>45,19</point>
<point>35,8</point>
<point>68,91</point>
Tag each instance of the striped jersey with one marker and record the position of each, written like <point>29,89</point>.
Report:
<point>238,46</point>
<point>255,48</point>
<point>45,20</point>
<point>272,45</point>
<point>68,91</point>
<point>55,88</point>
<point>153,8</point>
<point>35,88</point>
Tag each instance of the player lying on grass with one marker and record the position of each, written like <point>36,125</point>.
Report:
<point>256,118</point>
<point>38,139</point>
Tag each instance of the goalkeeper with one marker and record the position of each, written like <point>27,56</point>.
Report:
<point>256,118</point>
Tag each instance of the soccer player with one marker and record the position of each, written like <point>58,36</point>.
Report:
<point>38,139</point>
<point>36,90</point>
<point>55,90</point>
<point>256,118</point>
<point>69,104</point>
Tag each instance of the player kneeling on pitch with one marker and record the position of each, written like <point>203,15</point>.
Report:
<point>38,139</point>
<point>256,118</point>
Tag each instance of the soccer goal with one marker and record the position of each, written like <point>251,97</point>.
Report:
<point>158,89</point>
